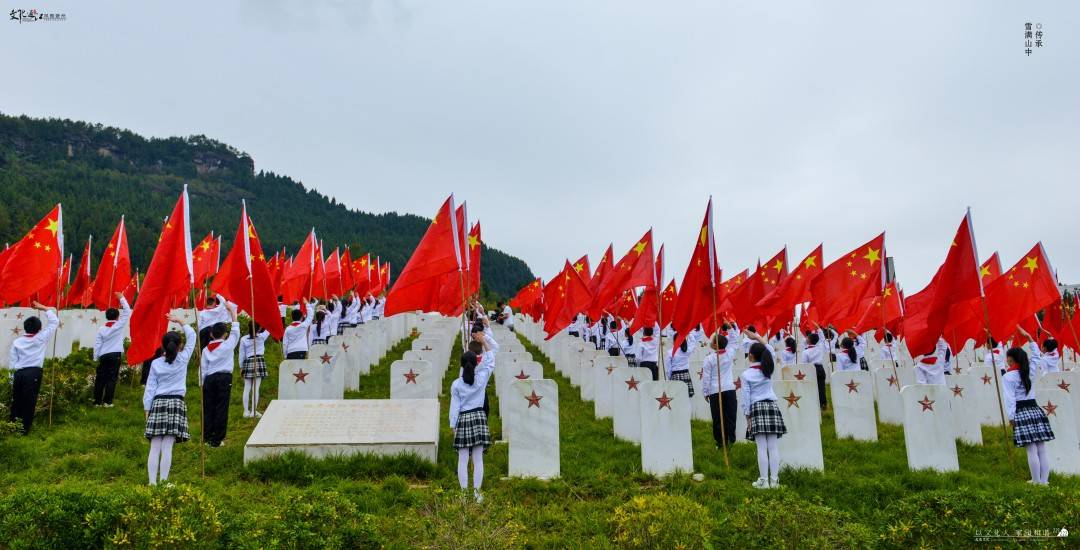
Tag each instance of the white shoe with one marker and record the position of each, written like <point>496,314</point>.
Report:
<point>477,496</point>
<point>258,414</point>
<point>761,483</point>
<point>774,483</point>
<point>108,405</point>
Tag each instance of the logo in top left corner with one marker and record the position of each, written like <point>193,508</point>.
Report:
<point>35,16</point>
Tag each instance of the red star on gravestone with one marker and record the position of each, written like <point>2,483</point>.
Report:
<point>957,391</point>
<point>1050,408</point>
<point>410,377</point>
<point>927,404</point>
<point>956,370</point>
<point>631,384</point>
<point>93,320</point>
<point>665,401</point>
<point>300,376</point>
<point>344,346</point>
<point>609,369</point>
<point>1065,386</point>
<point>700,374</point>
<point>800,375</point>
<point>534,400</point>
<point>852,387</point>
<point>892,380</point>
<point>325,358</point>
<point>18,315</point>
<point>15,331</point>
<point>80,316</point>
<point>986,379</point>
<point>793,399</point>
<point>521,375</point>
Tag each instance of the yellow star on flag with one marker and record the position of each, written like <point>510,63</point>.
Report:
<point>778,265</point>
<point>1031,264</point>
<point>704,235</point>
<point>639,248</point>
<point>984,271</point>
<point>205,245</point>
<point>577,267</point>
<point>811,261</point>
<point>53,227</point>
<point>872,255</point>
<point>474,242</point>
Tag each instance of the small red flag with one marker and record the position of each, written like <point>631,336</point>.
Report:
<point>1019,293</point>
<point>841,287</point>
<point>79,293</point>
<point>244,278</point>
<point>36,260</point>
<point>437,254</point>
<point>697,299</point>
<point>114,270</point>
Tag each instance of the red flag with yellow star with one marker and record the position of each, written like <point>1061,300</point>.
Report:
<point>839,289</point>
<point>1061,321</point>
<point>204,258</point>
<point>474,248</point>
<point>743,300</point>
<point>564,297</point>
<point>883,311</point>
<point>966,318</point>
<point>79,293</point>
<point>1019,293</point>
<point>635,269</point>
<point>648,307</point>
<point>603,271</point>
<point>48,294</point>
<point>528,298</point>
<point>244,279</point>
<point>437,254</point>
<point>35,260</point>
<point>132,288</point>
<point>697,299</point>
<point>347,282</point>
<point>114,270</point>
<point>628,306</point>
<point>780,302</point>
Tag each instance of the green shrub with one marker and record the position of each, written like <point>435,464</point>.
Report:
<point>311,520</point>
<point>42,517</point>
<point>661,521</point>
<point>451,519</point>
<point>781,519</point>
<point>167,516</point>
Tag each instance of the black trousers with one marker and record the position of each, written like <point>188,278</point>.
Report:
<point>24,395</point>
<point>725,400</point>
<point>651,365</point>
<point>145,372</point>
<point>216,391</point>
<point>296,355</point>
<point>614,352</point>
<point>820,372</point>
<point>108,370</point>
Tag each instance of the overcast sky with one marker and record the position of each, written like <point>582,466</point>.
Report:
<point>571,124</point>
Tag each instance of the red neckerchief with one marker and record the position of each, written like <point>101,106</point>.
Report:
<point>295,324</point>
<point>721,351</point>
<point>789,350</point>
<point>213,345</point>
<point>1012,368</point>
<point>755,366</point>
<point>996,352</point>
<point>110,323</point>
<point>928,360</point>
<point>646,338</point>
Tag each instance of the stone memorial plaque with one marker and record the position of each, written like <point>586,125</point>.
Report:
<point>533,407</point>
<point>1064,450</point>
<point>887,394</point>
<point>310,379</point>
<point>413,380</point>
<point>928,428</point>
<point>603,368</point>
<point>966,421</point>
<point>665,428</point>
<point>800,447</point>
<point>853,405</point>
<point>626,393</point>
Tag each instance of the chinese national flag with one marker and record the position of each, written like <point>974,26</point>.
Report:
<point>204,258</point>
<point>780,302</point>
<point>603,271</point>
<point>132,288</point>
<point>966,318</point>
<point>648,309</point>
<point>635,269</point>
<point>347,282</point>
<point>877,316</point>
<point>453,289</point>
<point>244,278</point>
<point>384,276</point>
<point>48,294</point>
<point>436,255</point>
<point>333,273</point>
<point>1015,296</point>
<point>376,277</point>
<point>845,283</point>
<point>298,277</point>
<point>1061,321</point>
<point>362,274</point>
<point>79,293</point>
<point>628,306</point>
<point>956,281</point>
<point>765,279</point>
<point>34,261</point>
<point>528,298</point>
<point>114,271</point>
<point>565,296</point>
<point>474,259</point>
<point>318,275</point>
<point>725,290</point>
<point>168,279</point>
<point>582,267</point>
<point>696,301</point>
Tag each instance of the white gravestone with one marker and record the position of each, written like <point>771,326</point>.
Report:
<point>521,371</point>
<point>603,368</point>
<point>887,394</point>
<point>350,359</point>
<point>740,419</point>
<point>626,396</point>
<point>413,380</point>
<point>985,395</point>
<point>800,447</point>
<point>966,421</point>
<point>586,378</point>
<point>928,428</point>
<point>310,379</point>
<point>1064,450</point>
<point>699,407</point>
<point>853,405</point>
<point>665,428</point>
<point>321,428</point>
<point>533,407</point>
<point>1066,381</point>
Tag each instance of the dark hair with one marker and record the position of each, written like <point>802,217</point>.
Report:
<point>477,327</point>
<point>468,367</point>
<point>751,328</point>
<point>319,317</point>
<point>498,305</point>
<point>296,315</point>
<point>829,333</point>
<point>683,346</point>
<point>813,338</point>
<point>32,325</point>
<point>848,345</point>
<point>993,342</point>
<point>790,343</point>
<point>647,331</point>
<point>211,301</point>
<point>719,341</point>
<point>759,354</point>
<point>614,325</point>
<point>330,306</point>
<point>1020,357</point>
<point>726,327</point>
<point>217,330</point>
<point>170,344</point>
<point>1050,344</point>
<point>112,314</point>
<point>629,337</point>
<point>476,347</point>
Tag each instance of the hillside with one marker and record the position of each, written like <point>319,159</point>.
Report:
<point>99,173</point>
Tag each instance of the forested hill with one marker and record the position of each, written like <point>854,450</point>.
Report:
<point>99,173</point>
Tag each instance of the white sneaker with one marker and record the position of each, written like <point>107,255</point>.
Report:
<point>108,405</point>
<point>477,496</point>
<point>761,483</point>
<point>774,483</point>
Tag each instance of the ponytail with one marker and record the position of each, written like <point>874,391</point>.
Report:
<point>761,355</point>
<point>170,345</point>
<point>318,322</point>
<point>848,346</point>
<point>683,346</point>
<point>468,367</point>
<point>1020,358</point>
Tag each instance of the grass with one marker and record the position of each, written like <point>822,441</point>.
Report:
<point>865,497</point>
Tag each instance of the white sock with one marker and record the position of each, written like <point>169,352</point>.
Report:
<point>774,455</point>
<point>246,399</point>
<point>1033,462</point>
<point>152,460</point>
<point>166,455</point>
<point>478,466</point>
<point>255,396</point>
<point>1044,462</point>
<point>762,441</point>
<point>463,467</point>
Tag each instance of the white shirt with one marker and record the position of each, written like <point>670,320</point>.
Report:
<point>352,313</point>
<point>995,358</point>
<point>380,308</point>
<point>788,357</point>
<point>888,353</point>
<point>464,397</point>
<point>930,369</point>
<point>508,316</point>
<point>860,347</point>
<point>217,314</point>
<point>28,350</point>
<point>812,354</point>
<point>1044,363</point>
<point>169,378</point>
<point>368,312</point>
<point>1012,390</point>
<point>756,387</point>
<point>648,349</point>
<point>296,334</point>
<point>716,373</point>
<point>218,354</point>
<point>282,309</point>
<point>249,348</point>
<point>844,363</point>
<point>110,338</point>
<point>680,360</point>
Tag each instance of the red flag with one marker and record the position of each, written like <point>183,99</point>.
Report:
<point>743,300</point>
<point>883,311</point>
<point>79,293</point>
<point>169,277</point>
<point>635,269</point>
<point>793,290</point>
<point>528,298</point>
<point>628,306</point>
<point>48,294</point>
<point>1019,293</point>
<point>474,259</point>
<point>347,282</point>
<point>318,276</point>
<point>956,281</point>
<point>36,260</point>
<point>114,271</point>
<point>966,318</point>
<point>648,310</point>
<point>333,273</point>
<point>569,295</point>
<point>132,288</point>
<point>603,272</point>
<point>697,293</point>
<point>437,254</point>
<point>204,258</point>
<point>1063,323</point>
<point>362,274</point>
<point>298,279</point>
<point>453,288</point>
<point>244,278</point>
<point>845,283</point>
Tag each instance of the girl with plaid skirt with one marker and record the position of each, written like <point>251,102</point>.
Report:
<point>764,424</point>
<point>467,416</point>
<point>253,367</point>
<point>678,368</point>
<point>1031,428</point>
<point>163,400</point>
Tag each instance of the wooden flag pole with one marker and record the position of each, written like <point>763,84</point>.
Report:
<point>997,383</point>
<point>720,393</point>
<point>56,336</point>
<point>202,392</point>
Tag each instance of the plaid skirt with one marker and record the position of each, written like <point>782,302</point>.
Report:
<point>168,416</point>
<point>683,376</point>
<point>765,418</point>
<point>254,367</point>
<point>472,430</point>
<point>315,341</point>
<point>1030,424</point>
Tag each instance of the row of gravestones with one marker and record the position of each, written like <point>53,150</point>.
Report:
<point>934,417</point>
